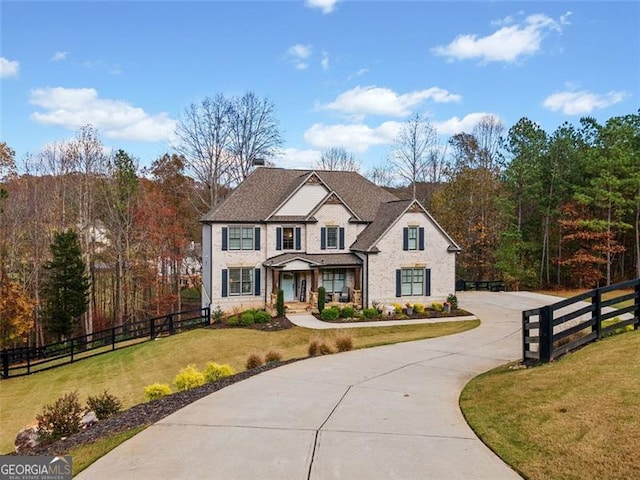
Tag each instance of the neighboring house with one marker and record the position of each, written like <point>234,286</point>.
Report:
<point>190,267</point>
<point>297,230</point>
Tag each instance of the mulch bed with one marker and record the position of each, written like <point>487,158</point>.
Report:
<point>416,316</point>
<point>145,414</point>
<point>275,324</point>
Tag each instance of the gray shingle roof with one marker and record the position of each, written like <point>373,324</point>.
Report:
<point>317,259</point>
<point>386,215</point>
<point>267,188</point>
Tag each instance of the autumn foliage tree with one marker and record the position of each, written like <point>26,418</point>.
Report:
<point>16,313</point>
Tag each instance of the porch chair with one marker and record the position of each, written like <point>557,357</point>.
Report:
<point>344,294</point>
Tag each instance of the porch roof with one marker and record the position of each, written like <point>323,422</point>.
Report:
<point>315,259</point>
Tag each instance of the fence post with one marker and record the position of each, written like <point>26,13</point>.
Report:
<point>5,363</point>
<point>524,336</point>
<point>596,300</point>
<point>546,333</point>
<point>207,316</point>
<point>170,323</point>
<point>637,304</point>
<point>72,350</point>
<point>28,362</point>
<point>113,338</point>
<point>152,328</point>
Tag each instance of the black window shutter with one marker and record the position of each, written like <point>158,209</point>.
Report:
<point>224,282</point>
<point>341,238</point>
<point>256,239</point>
<point>298,238</point>
<point>398,283</point>
<point>278,238</point>
<point>323,238</point>
<point>421,238</point>
<point>405,238</point>
<point>224,238</point>
<point>256,282</point>
<point>427,282</point>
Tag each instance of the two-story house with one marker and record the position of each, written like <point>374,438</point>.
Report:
<point>297,230</point>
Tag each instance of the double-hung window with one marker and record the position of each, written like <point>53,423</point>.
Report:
<point>412,281</point>
<point>287,238</point>
<point>241,281</point>
<point>333,280</point>
<point>332,237</point>
<point>241,238</point>
<point>413,238</point>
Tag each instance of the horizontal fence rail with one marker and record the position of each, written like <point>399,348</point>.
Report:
<point>553,330</point>
<point>27,360</point>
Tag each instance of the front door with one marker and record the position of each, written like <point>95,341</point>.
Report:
<point>288,285</point>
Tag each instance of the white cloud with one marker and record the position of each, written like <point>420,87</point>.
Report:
<point>299,54</point>
<point>456,125</point>
<point>73,107</point>
<point>294,158</point>
<point>506,44</point>
<point>325,61</point>
<point>360,72</point>
<point>58,56</point>
<point>8,68</point>
<point>354,137</point>
<point>582,102</point>
<point>325,5</point>
<point>384,101</point>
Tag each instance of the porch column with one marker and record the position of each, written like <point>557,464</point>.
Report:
<point>275,277</point>
<point>314,279</point>
<point>358,280</point>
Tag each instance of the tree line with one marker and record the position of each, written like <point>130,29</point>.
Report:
<point>535,209</point>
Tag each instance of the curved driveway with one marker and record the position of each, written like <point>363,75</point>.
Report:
<point>389,412</point>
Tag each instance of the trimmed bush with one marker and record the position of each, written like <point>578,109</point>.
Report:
<point>60,419</point>
<point>437,306</point>
<point>254,360</point>
<point>370,313</point>
<point>262,317</point>
<point>104,405</point>
<point>233,321</point>
<point>156,390</point>
<point>419,307</point>
<point>280,303</point>
<point>214,371</point>
<point>344,341</point>
<point>189,377</point>
<point>247,318</point>
<point>322,296</point>
<point>398,307</point>
<point>273,355</point>
<point>329,314</point>
<point>347,312</point>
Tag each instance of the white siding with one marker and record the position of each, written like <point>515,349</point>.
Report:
<point>303,201</point>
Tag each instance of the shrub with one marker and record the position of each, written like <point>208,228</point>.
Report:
<point>437,306</point>
<point>370,313</point>
<point>347,312</point>
<point>453,301</point>
<point>189,377</point>
<point>344,341</point>
<point>214,371</point>
<point>262,317</point>
<point>233,321</point>
<point>156,390</point>
<point>217,314</point>
<point>398,307</point>
<point>322,296</point>
<point>418,307</point>
<point>247,318</point>
<point>254,360</point>
<point>280,303</point>
<point>325,348</point>
<point>329,314</point>
<point>314,346</point>
<point>613,321</point>
<point>104,405</point>
<point>273,355</point>
<point>60,419</point>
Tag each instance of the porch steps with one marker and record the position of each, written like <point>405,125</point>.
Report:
<point>297,307</point>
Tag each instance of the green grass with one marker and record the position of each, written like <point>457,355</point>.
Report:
<point>126,372</point>
<point>576,418</point>
<point>85,455</point>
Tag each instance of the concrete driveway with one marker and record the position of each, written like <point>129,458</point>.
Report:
<point>389,412</point>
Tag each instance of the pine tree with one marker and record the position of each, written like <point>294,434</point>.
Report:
<point>66,289</point>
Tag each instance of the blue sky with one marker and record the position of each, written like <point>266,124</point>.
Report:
<point>340,73</point>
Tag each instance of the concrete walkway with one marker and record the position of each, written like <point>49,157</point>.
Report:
<point>389,412</point>
<point>307,320</point>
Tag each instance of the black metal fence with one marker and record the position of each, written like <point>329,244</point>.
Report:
<point>488,285</point>
<point>21,361</point>
<point>553,330</point>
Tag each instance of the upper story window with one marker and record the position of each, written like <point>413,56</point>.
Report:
<point>332,237</point>
<point>240,238</point>
<point>287,238</point>
<point>413,238</point>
